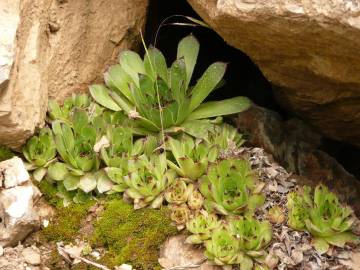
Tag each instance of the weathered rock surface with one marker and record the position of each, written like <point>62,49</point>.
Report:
<point>175,253</point>
<point>9,20</point>
<point>21,211</point>
<point>295,145</point>
<point>60,48</point>
<point>20,258</point>
<point>309,50</point>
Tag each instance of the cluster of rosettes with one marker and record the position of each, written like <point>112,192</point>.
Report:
<point>151,141</point>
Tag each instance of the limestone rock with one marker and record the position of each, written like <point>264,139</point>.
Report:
<point>9,20</point>
<point>296,146</point>
<point>309,50</point>
<point>61,47</point>
<point>176,253</point>
<point>21,211</point>
<point>13,172</point>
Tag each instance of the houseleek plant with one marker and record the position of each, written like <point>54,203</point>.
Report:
<point>191,157</point>
<point>320,213</point>
<point>147,180</point>
<point>202,227</point>
<point>229,188</point>
<point>225,136</point>
<point>179,192</point>
<point>223,248</point>
<point>63,113</point>
<point>40,151</point>
<point>180,214</point>
<point>253,236</point>
<point>159,97</point>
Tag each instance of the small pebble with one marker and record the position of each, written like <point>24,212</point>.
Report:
<point>31,255</point>
<point>1,251</point>
<point>45,223</point>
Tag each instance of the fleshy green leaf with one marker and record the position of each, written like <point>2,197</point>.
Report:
<point>206,84</point>
<point>57,171</point>
<point>188,49</point>
<point>87,182</point>
<point>222,107</point>
<point>101,94</point>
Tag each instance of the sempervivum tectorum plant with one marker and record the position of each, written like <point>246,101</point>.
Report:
<point>179,192</point>
<point>180,214</point>
<point>40,151</point>
<point>159,97</point>
<point>253,236</point>
<point>223,248</point>
<point>201,227</point>
<point>147,181</point>
<point>225,136</point>
<point>195,200</point>
<point>321,214</point>
<point>229,188</point>
<point>191,157</point>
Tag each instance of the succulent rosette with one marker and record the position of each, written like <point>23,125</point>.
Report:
<point>195,200</point>
<point>191,157</point>
<point>229,188</point>
<point>202,227</point>
<point>179,192</point>
<point>180,214</point>
<point>147,181</point>
<point>225,136</point>
<point>40,151</point>
<point>223,248</point>
<point>321,214</point>
<point>138,86</point>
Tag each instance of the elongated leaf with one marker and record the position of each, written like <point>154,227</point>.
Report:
<point>155,64</point>
<point>123,103</point>
<point>101,95</point>
<point>200,23</point>
<point>207,83</point>
<point>188,49</point>
<point>116,78</point>
<point>132,64</point>
<point>178,80</point>
<point>222,107</point>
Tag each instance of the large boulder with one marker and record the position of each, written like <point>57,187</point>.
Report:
<point>309,50</point>
<point>50,49</point>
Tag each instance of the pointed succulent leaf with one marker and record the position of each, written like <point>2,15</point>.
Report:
<point>219,108</point>
<point>132,64</point>
<point>155,64</point>
<point>206,84</point>
<point>188,49</point>
<point>117,79</point>
<point>101,95</point>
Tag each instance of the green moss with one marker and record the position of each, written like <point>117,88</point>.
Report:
<point>5,153</point>
<point>49,191</point>
<point>66,223</point>
<point>132,236</point>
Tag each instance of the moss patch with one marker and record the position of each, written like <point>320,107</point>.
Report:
<point>132,236</point>
<point>66,224</point>
<point>5,153</point>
